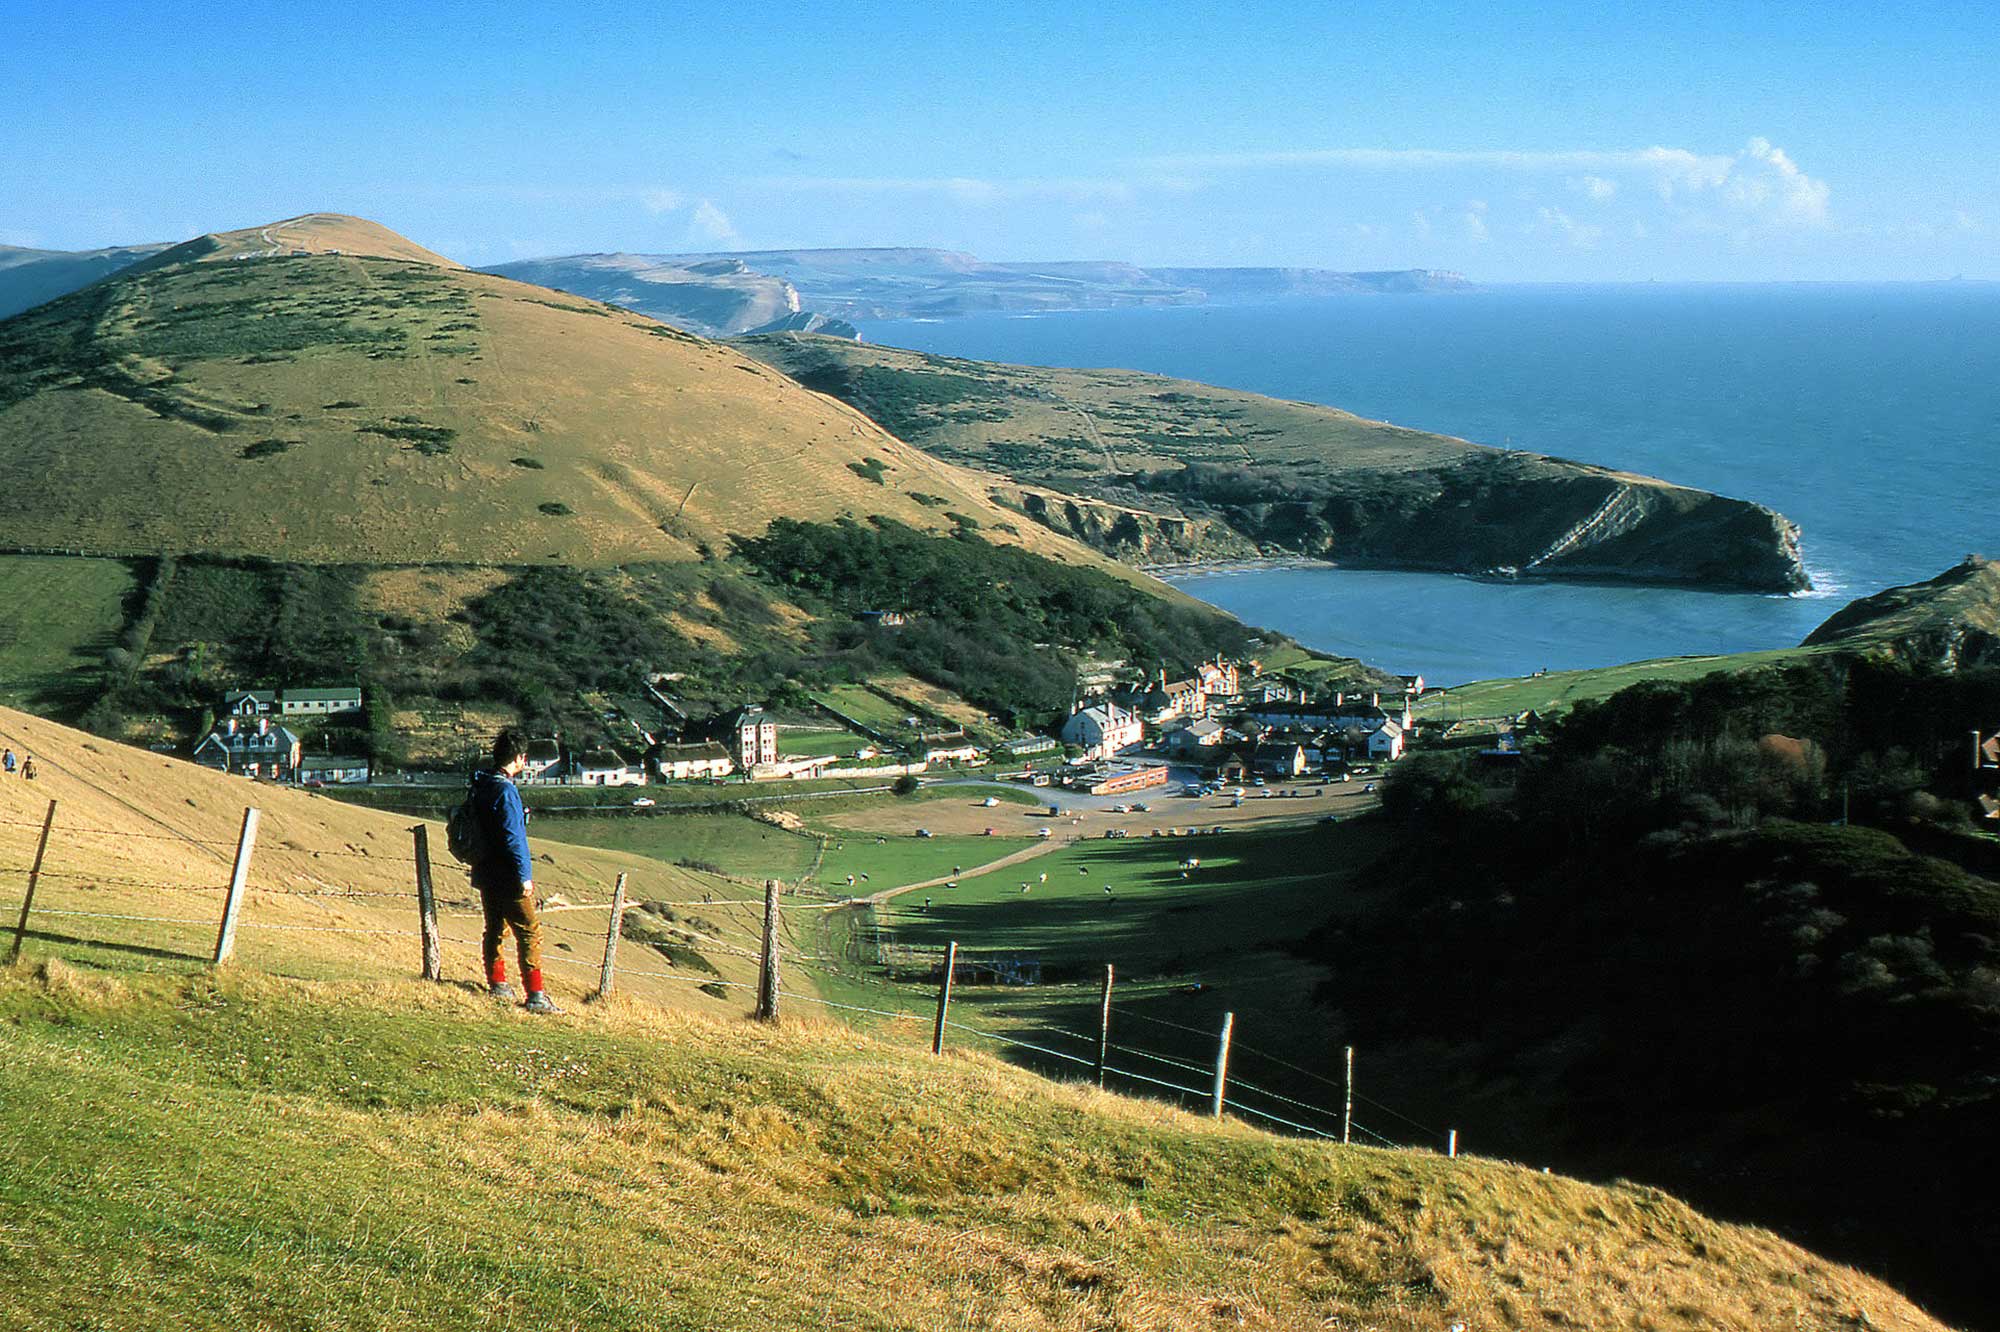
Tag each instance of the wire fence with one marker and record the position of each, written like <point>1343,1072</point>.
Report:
<point>200,921</point>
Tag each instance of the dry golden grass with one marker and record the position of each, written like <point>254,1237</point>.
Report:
<point>402,1156</point>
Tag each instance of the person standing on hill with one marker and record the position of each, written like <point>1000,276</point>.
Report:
<point>505,875</point>
<point>7,762</point>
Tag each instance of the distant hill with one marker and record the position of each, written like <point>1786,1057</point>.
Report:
<point>1175,470</point>
<point>321,389</point>
<point>30,277</point>
<point>731,293</point>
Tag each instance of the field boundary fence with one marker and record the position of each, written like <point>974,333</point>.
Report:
<point>441,899</point>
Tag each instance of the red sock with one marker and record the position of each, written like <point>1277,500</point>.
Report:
<point>533,977</point>
<point>496,971</point>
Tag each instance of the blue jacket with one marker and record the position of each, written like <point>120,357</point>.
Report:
<point>507,864</point>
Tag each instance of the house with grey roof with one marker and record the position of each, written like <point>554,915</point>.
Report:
<point>262,749</point>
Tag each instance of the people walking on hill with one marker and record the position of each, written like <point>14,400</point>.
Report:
<point>7,762</point>
<point>27,768</point>
<point>505,875</point>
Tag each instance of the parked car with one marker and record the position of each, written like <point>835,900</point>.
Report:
<point>1117,809</point>
<point>923,832</point>
<point>1045,832</point>
<point>990,801</point>
<point>1329,818</point>
<point>1141,809</point>
<point>643,802</point>
<point>1369,789</point>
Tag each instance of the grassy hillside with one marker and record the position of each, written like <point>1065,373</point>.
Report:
<point>141,852</point>
<point>1204,472</point>
<point>1949,621</point>
<point>402,1157</point>
<point>323,390</point>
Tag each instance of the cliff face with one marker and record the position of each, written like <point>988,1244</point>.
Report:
<point>1136,536</point>
<point>1951,621</point>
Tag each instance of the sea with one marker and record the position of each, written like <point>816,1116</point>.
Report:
<point>1868,414</point>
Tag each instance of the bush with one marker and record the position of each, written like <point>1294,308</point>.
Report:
<point>906,785</point>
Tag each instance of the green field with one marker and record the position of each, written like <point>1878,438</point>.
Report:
<point>1559,690</point>
<point>58,616</point>
<point>811,744</point>
<point>866,707</point>
<point>892,861</point>
<point>1251,886</point>
<point>733,843</point>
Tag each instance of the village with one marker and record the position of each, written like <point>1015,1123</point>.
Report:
<point>1227,724</point>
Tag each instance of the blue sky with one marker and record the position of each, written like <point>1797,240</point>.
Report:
<point>1508,141</point>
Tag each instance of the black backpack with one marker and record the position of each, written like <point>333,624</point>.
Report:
<point>465,831</point>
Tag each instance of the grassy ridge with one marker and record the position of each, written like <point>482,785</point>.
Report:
<point>407,1157</point>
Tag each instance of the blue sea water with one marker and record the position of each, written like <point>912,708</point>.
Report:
<point>1870,415</point>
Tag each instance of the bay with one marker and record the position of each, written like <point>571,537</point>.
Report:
<point>1868,414</point>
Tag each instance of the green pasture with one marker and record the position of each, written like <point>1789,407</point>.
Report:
<point>58,615</point>
<point>1560,690</point>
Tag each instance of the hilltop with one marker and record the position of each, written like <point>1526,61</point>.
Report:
<point>321,389</point>
<point>1173,469</point>
<point>1950,621</point>
<point>715,289</point>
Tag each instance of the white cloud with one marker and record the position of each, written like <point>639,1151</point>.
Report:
<point>1555,222</point>
<point>711,226</point>
<point>1474,220</point>
<point>657,201</point>
<point>1758,185</point>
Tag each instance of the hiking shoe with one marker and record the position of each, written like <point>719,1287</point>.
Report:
<point>539,1002</point>
<point>501,990</point>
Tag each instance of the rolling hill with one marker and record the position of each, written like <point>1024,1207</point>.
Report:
<point>1170,469</point>
<point>321,389</point>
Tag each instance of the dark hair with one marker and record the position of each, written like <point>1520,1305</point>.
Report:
<point>508,746</point>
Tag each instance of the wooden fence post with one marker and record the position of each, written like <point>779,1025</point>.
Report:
<point>944,996</point>
<point>1104,1026</point>
<point>611,933</point>
<point>1222,1061</point>
<point>34,877</point>
<point>427,915</point>
<point>239,875</point>
<point>1347,1105</point>
<point>767,977</point>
